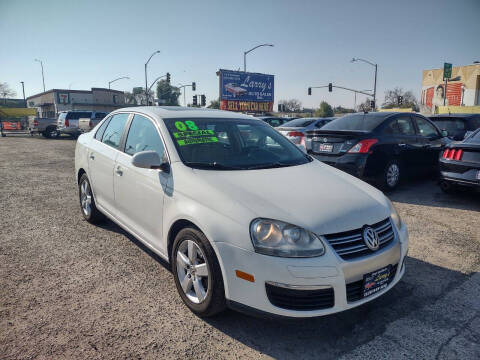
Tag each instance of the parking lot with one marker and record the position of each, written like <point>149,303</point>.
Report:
<point>69,289</point>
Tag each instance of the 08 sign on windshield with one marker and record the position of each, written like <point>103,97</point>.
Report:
<point>189,134</point>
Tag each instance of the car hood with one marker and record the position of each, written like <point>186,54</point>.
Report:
<point>315,196</point>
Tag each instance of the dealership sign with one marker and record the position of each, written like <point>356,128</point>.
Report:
<point>243,91</point>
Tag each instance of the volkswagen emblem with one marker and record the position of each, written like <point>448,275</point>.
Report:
<point>325,139</point>
<point>370,237</point>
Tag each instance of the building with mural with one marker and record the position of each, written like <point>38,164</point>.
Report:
<point>51,102</point>
<point>464,90</point>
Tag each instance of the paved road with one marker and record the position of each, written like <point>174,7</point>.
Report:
<point>72,290</point>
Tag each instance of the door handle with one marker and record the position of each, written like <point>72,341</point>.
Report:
<point>119,171</point>
<point>92,157</point>
<point>402,145</point>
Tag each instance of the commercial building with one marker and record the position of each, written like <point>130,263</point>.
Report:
<point>463,91</point>
<point>51,102</point>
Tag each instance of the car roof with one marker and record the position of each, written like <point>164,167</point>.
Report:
<point>183,112</point>
<point>454,116</point>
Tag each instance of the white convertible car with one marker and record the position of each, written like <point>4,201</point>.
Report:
<point>244,217</point>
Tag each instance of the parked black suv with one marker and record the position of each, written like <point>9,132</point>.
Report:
<point>456,125</point>
<point>381,147</point>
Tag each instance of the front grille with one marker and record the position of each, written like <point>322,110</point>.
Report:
<point>350,245</point>
<point>303,300</point>
<point>355,289</point>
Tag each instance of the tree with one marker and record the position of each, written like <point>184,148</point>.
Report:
<point>342,110</point>
<point>6,91</point>
<point>291,105</point>
<point>325,110</point>
<point>391,99</point>
<point>130,98</point>
<point>167,94</point>
<point>214,104</point>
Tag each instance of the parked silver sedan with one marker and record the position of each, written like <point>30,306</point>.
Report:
<point>295,130</point>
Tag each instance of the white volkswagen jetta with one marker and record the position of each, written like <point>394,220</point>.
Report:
<point>243,216</point>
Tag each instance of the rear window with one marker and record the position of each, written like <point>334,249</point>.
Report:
<point>361,122</point>
<point>450,124</point>
<point>299,122</point>
<point>75,115</point>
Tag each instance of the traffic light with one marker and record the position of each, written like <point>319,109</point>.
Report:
<point>309,91</point>
<point>168,78</point>
<point>194,86</point>
<point>400,100</point>
<point>203,100</point>
<point>330,87</point>
<point>194,100</point>
<point>372,104</point>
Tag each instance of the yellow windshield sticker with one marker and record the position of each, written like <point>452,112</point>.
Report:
<point>197,140</point>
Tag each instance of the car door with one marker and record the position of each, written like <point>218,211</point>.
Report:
<point>431,141</point>
<point>102,154</point>
<point>139,192</point>
<point>408,144</point>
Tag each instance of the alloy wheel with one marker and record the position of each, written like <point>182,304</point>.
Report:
<point>86,198</point>
<point>393,175</point>
<point>192,271</point>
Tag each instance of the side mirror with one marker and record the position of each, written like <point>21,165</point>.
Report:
<point>302,148</point>
<point>150,160</point>
<point>444,133</point>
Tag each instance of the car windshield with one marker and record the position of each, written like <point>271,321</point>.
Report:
<point>232,144</point>
<point>299,122</point>
<point>356,122</point>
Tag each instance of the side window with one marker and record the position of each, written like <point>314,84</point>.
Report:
<point>405,126</point>
<point>114,130</point>
<point>425,128</point>
<point>391,128</point>
<point>101,130</point>
<point>143,136</point>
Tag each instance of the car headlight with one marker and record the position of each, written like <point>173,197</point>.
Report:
<point>276,238</point>
<point>397,220</point>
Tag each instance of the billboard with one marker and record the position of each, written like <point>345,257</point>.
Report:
<point>244,91</point>
<point>463,91</point>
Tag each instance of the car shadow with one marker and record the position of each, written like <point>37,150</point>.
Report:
<point>426,192</point>
<point>331,336</point>
<point>111,226</point>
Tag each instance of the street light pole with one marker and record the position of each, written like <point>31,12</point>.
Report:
<point>120,78</point>
<point>246,52</point>
<point>375,82</point>
<point>23,90</point>
<point>146,81</point>
<point>43,77</point>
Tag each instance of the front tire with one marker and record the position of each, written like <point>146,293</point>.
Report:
<point>87,202</point>
<point>197,273</point>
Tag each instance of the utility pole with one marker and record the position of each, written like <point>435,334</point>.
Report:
<point>375,82</point>
<point>23,90</point>
<point>246,52</point>
<point>43,77</point>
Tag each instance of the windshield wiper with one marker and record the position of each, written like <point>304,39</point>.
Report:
<point>212,165</point>
<point>269,165</point>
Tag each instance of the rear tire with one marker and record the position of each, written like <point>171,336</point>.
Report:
<point>51,132</point>
<point>197,273</point>
<point>87,202</point>
<point>391,175</point>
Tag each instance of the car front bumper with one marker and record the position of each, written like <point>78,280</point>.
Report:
<point>324,272</point>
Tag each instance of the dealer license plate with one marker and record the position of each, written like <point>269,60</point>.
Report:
<point>376,281</point>
<point>319,147</point>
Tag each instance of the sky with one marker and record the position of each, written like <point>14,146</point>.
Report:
<point>86,44</point>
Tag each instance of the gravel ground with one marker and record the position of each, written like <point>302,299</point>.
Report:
<point>72,290</point>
